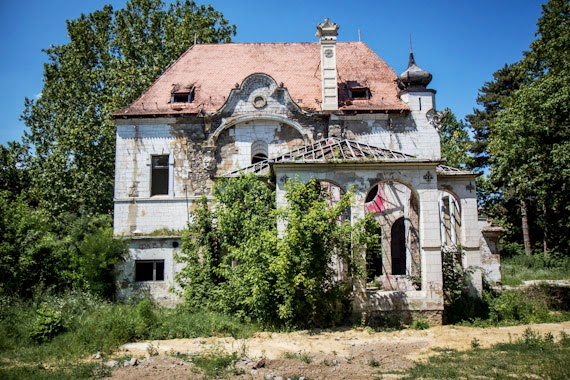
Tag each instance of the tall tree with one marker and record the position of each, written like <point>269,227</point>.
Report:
<point>112,56</point>
<point>491,98</point>
<point>455,141</point>
<point>530,138</point>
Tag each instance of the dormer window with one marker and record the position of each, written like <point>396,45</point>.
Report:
<point>359,92</point>
<point>182,94</point>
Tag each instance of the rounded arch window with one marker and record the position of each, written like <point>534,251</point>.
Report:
<point>259,151</point>
<point>450,219</point>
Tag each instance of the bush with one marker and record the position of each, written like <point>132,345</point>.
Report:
<point>48,323</point>
<point>236,263</point>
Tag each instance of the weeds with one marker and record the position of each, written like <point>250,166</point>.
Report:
<point>372,362</point>
<point>475,343</point>
<point>531,356</point>
<point>519,268</point>
<point>420,324</point>
<point>301,355</point>
<point>216,363</point>
<point>76,325</point>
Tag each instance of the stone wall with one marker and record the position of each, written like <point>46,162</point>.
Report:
<point>149,249</point>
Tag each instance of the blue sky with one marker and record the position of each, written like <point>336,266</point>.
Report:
<point>460,42</point>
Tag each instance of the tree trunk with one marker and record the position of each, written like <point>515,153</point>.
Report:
<point>544,230</point>
<point>526,235</point>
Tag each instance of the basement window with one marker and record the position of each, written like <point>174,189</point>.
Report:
<point>149,270</point>
<point>159,175</point>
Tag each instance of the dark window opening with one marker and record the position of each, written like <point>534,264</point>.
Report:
<point>360,93</point>
<point>175,244</point>
<point>371,194</point>
<point>398,247</point>
<point>374,259</point>
<point>149,270</point>
<point>159,175</point>
<point>184,96</point>
<point>258,157</point>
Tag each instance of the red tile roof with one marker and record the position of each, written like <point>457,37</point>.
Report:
<point>214,69</point>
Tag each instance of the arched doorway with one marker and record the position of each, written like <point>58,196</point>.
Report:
<point>398,247</point>
<point>395,205</point>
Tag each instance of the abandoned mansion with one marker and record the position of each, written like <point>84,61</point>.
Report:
<point>333,111</point>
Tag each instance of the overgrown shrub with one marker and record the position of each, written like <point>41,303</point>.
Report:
<point>48,323</point>
<point>236,263</point>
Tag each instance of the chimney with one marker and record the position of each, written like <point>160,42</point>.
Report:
<point>327,32</point>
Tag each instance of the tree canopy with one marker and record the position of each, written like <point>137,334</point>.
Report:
<point>56,186</point>
<point>526,124</point>
<point>111,58</point>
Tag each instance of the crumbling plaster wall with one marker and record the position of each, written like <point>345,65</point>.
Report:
<point>149,248</point>
<point>189,175</point>
<point>407,132</point>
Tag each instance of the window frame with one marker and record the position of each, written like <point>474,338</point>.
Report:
<point>154,190</point>
<point>155,270</point>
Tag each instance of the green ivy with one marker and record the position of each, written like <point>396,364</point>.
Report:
<point>236,261</point>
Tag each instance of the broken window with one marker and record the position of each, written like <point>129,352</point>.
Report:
<point>258,157</point>
<point>159,175</point>
<point>149,270</point>
<point>450,219</point>
<point>374,259</point>
<point>357,90</point>
<point>182,95</point>
<point>398,247</point>
<point>259,150</point>
<point>359,93</point>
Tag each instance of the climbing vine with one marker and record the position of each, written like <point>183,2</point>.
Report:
<point>237,262</point>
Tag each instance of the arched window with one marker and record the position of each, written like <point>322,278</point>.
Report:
<point>450,219</point>
<point>259,151</point>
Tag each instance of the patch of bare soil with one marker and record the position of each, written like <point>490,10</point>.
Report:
<point>330,354</point>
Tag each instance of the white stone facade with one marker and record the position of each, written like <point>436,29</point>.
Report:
<point>260,120</point>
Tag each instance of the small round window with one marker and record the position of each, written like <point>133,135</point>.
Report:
<point>259,101</point>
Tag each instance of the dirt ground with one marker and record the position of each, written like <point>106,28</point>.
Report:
<point>327,354</point>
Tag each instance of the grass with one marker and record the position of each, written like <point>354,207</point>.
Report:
<point>531,357</point>
<point>301,355</point>
<point>519,268</point>
<point>89,325</point>
<point>216,363</point>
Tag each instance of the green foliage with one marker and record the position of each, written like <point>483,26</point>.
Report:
<point>241,266</point>
<point>73,325</point>
<point>522,134</point>
<point>215,363</point>
<point>420,324</point>
<point>111,58</point>
<point>455,277</point>
<point>35,251</point>
<point>315,235</point>
<point>514,306</point>
<point>492,96</point>
<point>531,356</point>
<point>517,268</point>
<point>48,323</point>
<point>301,355</point>
<point>455,142</point>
